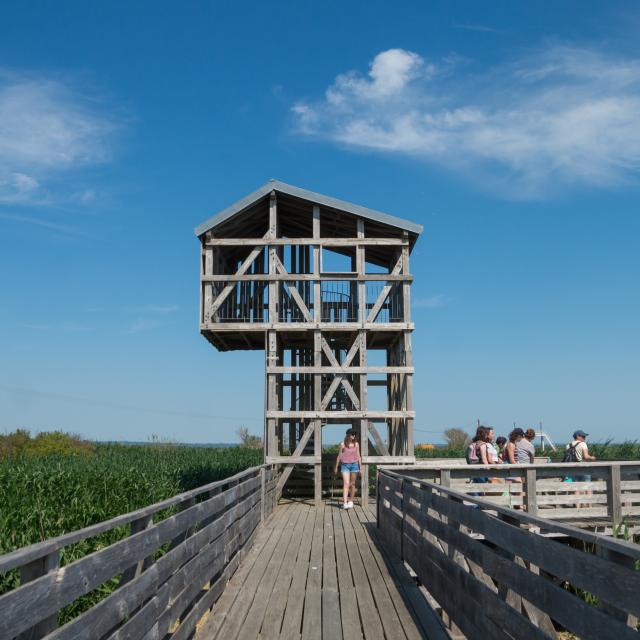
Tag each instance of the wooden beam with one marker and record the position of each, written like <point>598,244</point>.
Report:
<point>271,235</point>
<point>384,293</point>
<point>296,454</point>
<point>324,242</point>
<point>294,292</point>
<point>306,326</point>
<point>388,459</point>
<point>383,450</point>
<point>305,277</point>
<point>345,383</point>
<point>248,261</point>
<point>292,460</point>
<point>346,415</point>
<point>343,370</point>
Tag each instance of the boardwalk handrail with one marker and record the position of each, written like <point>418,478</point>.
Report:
<point>497,573</point>
<point>606,489</point>
<point>169,572</point>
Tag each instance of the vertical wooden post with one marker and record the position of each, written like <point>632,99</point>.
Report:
<point>262,492</point>
<point>445,477</point>
<point>614,497</point>
<point>531,495</point>
<point>317,360</point>
<point>272,392</point>
<point>30,572</point>
<point>134,571</point>
<point>362,337</point>
<point>206,290</point>
<point>271,348</point>
<point>408,351</point>
<point>317,431</point>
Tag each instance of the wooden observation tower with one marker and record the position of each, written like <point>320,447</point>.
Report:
<point>323,287</point>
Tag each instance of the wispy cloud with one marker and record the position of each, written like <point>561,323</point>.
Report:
<point>563,117</point>
<point>39,222</point>
<point>476,27</point>
<point>69,327</point>
<point>150,316</point>
<point>49,129</point>
<point>143,324</point>
<point>432,302</point>
<point>152,309</point>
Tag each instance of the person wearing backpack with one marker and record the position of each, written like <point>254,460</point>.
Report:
<point>477,453</point>
<point>575,452</point>
<point>578,451</point>
<point>477,449</point>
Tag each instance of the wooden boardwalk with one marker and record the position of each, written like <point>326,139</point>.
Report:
<point>320,573</point>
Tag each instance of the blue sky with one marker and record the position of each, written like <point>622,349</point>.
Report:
<point>511,131</point>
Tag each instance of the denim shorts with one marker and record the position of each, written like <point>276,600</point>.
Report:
<point>349,467</point>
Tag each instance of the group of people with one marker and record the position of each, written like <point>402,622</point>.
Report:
<point>517,449</point>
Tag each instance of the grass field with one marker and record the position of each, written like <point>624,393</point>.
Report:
<point>47,491</point>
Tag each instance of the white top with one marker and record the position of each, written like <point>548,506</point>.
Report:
<point>580,448</point>
<point>492,454</point>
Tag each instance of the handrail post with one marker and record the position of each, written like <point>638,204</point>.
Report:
<point>31,571</point>
<point>262,493</point>
<point>531,497</point>
<point>378,473</point>
<point>614,498</point>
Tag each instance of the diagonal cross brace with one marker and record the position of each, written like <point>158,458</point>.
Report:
<point>380,445</point>
<point>244,267</point>
<point>339,378</point>
<point>293,291</point>
<point>298,452</point>
<point>384,293</point>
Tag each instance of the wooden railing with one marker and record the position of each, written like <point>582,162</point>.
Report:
<point>171,568</point>
<point>499,573</point>
<point>559,491</point>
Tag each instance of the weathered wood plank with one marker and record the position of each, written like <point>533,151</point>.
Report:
<point>255,561</point>
<point>391,624</point>
<point>292,622</point>
<point>323,242</point>
<point>251,620</point>
<point>158,582</point>
<point>348,604</point>
<point>418,619</point>
<point>277,604</point>
<point>312,619</point>
<point>604,579</point>
<point>560,604</point>
<point>371,624</point>
<point>331,622</point>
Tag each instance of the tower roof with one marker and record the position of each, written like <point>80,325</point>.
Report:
<point>316,198</point>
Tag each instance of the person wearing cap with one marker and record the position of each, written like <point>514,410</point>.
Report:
<point>579,445</point>
<point>581,453</point>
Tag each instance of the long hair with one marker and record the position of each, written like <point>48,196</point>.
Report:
<point>482,433</point>
<point>347,439</point>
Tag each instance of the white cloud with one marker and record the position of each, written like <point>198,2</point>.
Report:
<point>567,116</point>
<point>143,324</point>
<point>47,130</point>
<point>433,302</point>
<point>155,309</point>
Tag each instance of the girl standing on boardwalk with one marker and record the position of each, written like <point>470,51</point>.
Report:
<point>349,461</point>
